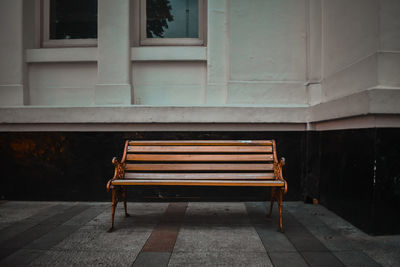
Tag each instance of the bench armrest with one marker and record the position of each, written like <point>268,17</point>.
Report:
<point>278,172</point>
<point>119,172</point>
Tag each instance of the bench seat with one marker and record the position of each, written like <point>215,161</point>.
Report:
<point>200,182</point>
<point>198,163</point>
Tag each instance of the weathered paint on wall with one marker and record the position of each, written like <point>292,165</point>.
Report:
<point>11,53</point>
<point>169,83</point>
<point>62,84</point>
<point>350,44</point>
<point>287,53</point>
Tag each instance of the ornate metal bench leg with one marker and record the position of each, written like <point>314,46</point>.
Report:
<point>124,196</point>
<point>271,202</point>
<point>114,205</point>
<point>279,200</point>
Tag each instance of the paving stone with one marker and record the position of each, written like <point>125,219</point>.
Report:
<point>149,259</point>
<point>141,214</point>
<point>25,223</point>
<point>285,259</point>
<point>238,235</point>
<point>125,228</point>
<point>258,211</point>
<point>267,229</point>
<point>383,249</point>
<point>218,238</point>
<point>306,214</point>
<point>65,215</point>
<point>310,215</point>
<point>55,236</point>
<point>14,211</point>
<point>4,225</point>
<point>84,258</point>
<point>162,239</point>
<point>332,239</point>
<point>216,213</point>
<point>52,238</point>
<point>13,230</point>
<point>35,232</point>
<point>321,258</point>
<point>273,240</point>
<point>117,240</point>
<point>220,258</point>
<point>164,235</point>
<point>22,257</point>
<point>301,238</point>
<point>355,259</point>
<point>333,221</point>
<point>86,216</point>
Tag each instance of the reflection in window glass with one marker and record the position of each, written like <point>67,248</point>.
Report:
<point>172,18</point>
<point>73,19</point>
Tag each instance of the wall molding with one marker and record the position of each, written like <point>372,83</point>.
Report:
<point>376,107</point>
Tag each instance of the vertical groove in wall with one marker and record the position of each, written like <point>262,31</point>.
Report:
<point>227,45</point>
<point>307,40</point>
<point>323,48</point>
<point>205,37</point>
<point>25,72</point>
<point>379,8</point>
<point>379,45</point>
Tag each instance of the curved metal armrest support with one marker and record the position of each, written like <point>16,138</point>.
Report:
<point>278,172</point>
<point>118,172</point>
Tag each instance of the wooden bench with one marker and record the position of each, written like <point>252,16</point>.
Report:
<point>198,163</point>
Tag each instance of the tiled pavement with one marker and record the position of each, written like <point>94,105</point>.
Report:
<point>185,234</point>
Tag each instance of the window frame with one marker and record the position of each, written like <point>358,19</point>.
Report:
<point>47,42</point>
<point>144,41</point>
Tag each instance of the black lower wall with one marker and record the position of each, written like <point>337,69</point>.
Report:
<point>77,166</point>
<point>355,173</point>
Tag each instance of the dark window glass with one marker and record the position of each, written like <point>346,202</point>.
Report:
<point>73,19</point>
<point>172,18</point>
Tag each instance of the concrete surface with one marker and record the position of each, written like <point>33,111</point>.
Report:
<point>199,234</point>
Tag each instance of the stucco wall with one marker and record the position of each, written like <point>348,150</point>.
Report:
<point>62,84</point>
<point>169,83</point>
<point>288,54</point>
<point>11,53</point>
<point>267,52</point>
<point>389,56</point>
<point>256,55</point>
<point>350,45</point>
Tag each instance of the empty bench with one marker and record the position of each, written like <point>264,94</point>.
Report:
<point>198,163</point>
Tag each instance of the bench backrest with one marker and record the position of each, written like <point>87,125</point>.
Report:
<point>200,159</point>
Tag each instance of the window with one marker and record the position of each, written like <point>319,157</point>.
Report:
<point>172,22</point>
<point>69,23</point>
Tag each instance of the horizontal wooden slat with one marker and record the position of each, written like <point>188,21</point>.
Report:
<point>201,149</point>
<point>199,167</point>
<point>202,143</point>
<point>199,176</point>
<point>197,157</point>
<point>200,182</point>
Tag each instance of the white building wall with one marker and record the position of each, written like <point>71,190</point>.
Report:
<point>256,55</point>
<point>62,84</point>
<point>389,45</point>
<point>350,45</point>
<point>321,56</point>
<point>169,83</point>
<point>11,53</point>
<point>267,48</point>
